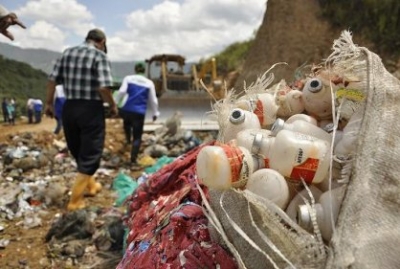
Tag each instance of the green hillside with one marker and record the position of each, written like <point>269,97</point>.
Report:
<point>20,80</point>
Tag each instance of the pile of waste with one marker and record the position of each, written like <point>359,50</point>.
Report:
<point>274,182</point>
<point>37,173</point>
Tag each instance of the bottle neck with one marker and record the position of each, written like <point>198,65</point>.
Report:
<point>303,215</point>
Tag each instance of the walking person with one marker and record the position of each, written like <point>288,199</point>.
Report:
<point>29,108</point>
<point>37,110</point>
<point>11,111</point>
<point>5,110</point>
<point>59,100</point>
<point>139,92</point>
<point>86,87</point>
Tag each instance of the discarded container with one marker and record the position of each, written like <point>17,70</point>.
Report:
<point>317,98</point>
<point>300,126</point>
<point>240,120</point>
<point>326,212</point>
<point>302,117</point>
<point>300,199</point>
<point>348,142</point>
<point>254,140</point>
<point>270,185</point>
<point>263,105</point>
<point>299,156</point>
<point>225,166</point>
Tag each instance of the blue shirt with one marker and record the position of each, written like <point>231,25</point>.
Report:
<point>137,93</point>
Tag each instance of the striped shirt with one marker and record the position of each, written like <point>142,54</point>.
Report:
<point>82,70</point>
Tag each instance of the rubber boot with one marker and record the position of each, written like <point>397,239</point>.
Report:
<point>76,200</point>
<point>93,187</point>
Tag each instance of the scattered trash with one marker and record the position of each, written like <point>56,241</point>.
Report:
<point>124,185</point>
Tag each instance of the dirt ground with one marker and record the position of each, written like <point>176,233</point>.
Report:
<point>27,248</point>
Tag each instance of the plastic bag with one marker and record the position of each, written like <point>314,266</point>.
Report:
<point>164,160</point>
<point>124,185</point>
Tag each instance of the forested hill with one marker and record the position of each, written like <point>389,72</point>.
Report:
<point>20,80</point>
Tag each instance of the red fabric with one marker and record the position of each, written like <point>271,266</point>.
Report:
<point>167,225</point>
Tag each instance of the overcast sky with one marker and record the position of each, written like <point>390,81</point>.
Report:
<point>138,29</point>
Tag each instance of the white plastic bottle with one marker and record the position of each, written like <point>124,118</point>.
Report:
<point>225,166</point>
<point>300,198</point>
<point>263,105</point>
<point>326,210</point>
<point>299,156</point>
<point>301,127</point>
<point>270,185</point>
<point>302,117</point>
<point>255,140</point>
<point>239,120</point>
<point>346,146</point>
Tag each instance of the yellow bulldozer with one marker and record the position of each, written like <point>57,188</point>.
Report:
<point>171,76</point>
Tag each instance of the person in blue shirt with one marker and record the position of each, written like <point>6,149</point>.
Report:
<point>136,94</point>
<point>59,100</point>
<point>37,110</point>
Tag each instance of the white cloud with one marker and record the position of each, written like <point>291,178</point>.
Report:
<point>66,14</point>
<point>194,28</point>
<point>40,35</point>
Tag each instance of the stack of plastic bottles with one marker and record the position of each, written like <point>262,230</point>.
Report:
<point>286,144</point>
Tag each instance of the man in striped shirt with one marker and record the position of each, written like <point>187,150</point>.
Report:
<point>85,74</point>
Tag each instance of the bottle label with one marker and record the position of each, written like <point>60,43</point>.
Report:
<point>259,111</point>
<point>266,163</point>
<point>235,158</point>
<point>305,170</point>
<point>351,94</point>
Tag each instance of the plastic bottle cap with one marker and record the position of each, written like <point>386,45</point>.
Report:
<point>277,126</point>
<point>237,116</point>
<point>256,146</point>
<point>303,217</point>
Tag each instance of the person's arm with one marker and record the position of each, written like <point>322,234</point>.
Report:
<point>7,19</point>
<point>153,101</point>
<point>105,82</point>
<point>51,88</point>
<point>121,91</point>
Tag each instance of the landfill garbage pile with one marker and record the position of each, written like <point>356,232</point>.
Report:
<point>295,179</point>
<point>37,173</point>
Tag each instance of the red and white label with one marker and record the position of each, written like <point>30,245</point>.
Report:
<point>306,170</point>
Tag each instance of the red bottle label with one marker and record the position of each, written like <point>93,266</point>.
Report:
<point>266,163</point>
<point>306,170</point>
<point>259,111</point>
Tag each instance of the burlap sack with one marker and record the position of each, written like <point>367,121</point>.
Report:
<point>367,233</point>
<point>368,227</point>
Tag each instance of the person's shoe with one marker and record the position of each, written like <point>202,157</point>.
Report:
<point>93,187</point>
<point>76,200</point>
